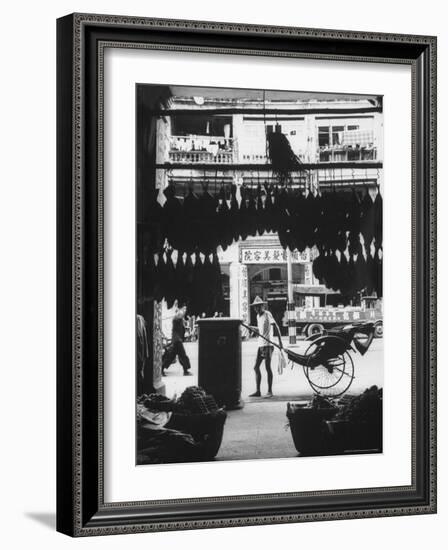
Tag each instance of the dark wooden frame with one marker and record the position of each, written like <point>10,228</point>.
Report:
<point>81,510</point>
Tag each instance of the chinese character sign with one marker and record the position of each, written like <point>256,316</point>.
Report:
<point>244,298</point>
<point>272,256</point>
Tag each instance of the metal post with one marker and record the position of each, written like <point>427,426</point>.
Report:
<point>291,305</point>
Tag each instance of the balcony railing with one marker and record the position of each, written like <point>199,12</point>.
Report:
<point>257,158</point>
<point>346,154</point>
<point>200,157</point>
<point>201,149</point>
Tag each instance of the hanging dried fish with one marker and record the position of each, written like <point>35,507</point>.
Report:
<point>261,218</point>
<point>191,216</point>
<point>208,230</point>
<point>173,214</point>
<point>234,213</point>
<point>252,217</point>
<point>378,221</point>
<point>224,222</point>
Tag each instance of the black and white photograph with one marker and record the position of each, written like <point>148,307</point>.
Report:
<point>221,309</point>
<point>259,254</point>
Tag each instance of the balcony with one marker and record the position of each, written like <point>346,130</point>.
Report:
<point>201,149</point>
<point>347,146</point>
<point>346,153</point>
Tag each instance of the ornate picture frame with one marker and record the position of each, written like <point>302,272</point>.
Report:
<point>81,43</point>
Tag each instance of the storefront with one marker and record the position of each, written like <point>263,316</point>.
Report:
<point>203,149</point>
<point>257,266</point>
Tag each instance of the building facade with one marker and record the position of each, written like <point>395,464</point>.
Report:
<point>224,141</point>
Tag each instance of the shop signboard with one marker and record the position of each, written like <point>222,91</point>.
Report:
<point>244,298</point>
<point>334,315</point>
<point>274,255</point>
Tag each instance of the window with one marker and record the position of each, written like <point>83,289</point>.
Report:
<point>336,134</point>
<point>200,125</point>
<point>275,274</point>
<point>324,136</point>
<point>330,136</point>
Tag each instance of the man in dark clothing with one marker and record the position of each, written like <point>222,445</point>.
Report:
<point>176,348</point>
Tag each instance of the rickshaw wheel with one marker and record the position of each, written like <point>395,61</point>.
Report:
<point>333,376</point>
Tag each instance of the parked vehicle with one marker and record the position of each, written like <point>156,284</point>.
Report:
<point>312,321</point>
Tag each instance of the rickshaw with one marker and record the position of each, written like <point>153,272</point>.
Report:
<point>327,359</point>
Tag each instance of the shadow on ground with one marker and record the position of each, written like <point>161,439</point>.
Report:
<point>47,519</point>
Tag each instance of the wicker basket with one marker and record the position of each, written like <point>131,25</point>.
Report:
<point>206,429</point>
<point>346,436</point>
<point>308,429</point>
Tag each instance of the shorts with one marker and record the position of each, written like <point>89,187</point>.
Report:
<point>266,351</point>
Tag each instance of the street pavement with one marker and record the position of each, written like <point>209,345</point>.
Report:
<point>259,429</point>
<point>291,385</point>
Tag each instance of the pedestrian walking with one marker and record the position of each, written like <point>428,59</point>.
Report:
<point>176,347</point>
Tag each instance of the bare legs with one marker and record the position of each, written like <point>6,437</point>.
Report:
<point>263,354</point>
